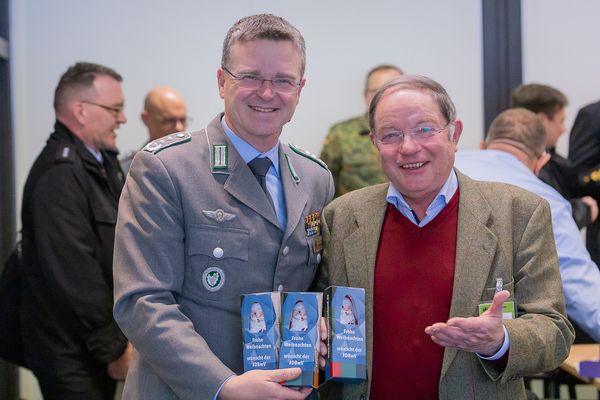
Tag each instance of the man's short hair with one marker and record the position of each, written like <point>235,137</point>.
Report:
<point>263,26</point>
<point>415,82</point>
<point>539,98</point>
<point>78,77</point>
<point>381,67</point>
<point>519,128</point>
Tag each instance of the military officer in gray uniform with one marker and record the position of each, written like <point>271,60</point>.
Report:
<point>199,225</point>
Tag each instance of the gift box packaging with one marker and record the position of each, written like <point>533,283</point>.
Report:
<point>300,339</point>
<point>261,330</point>
<point>346,343</point>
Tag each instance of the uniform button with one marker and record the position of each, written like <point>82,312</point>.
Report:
<point>218,252</point>
<point>318,258</point>
<point>280,288</point>
<point>286,250</point>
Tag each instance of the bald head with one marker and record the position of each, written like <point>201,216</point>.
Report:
<point>164,112</point>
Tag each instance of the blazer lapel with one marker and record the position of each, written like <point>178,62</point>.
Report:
<point>475,250</point>
<point>360,247</point>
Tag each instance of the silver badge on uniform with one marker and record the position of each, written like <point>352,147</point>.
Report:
<point>218,215</point>
<point>213,278</point>
<point>219,156</point>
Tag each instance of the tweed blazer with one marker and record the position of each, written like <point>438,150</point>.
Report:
<point>194,232</point>
<point>503,231</point>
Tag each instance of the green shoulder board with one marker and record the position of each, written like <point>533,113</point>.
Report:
<point>170,140</point>
<point>307,154</point>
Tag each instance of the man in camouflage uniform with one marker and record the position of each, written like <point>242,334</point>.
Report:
<point>347,148</point>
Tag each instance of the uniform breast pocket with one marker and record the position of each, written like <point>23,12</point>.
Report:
<point>315,248</point>
<point>217,257</point>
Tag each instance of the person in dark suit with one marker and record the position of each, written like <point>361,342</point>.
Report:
<point>550,105</point>
<point>71,341</point>
<point>208,216</point>
<point>584,155</point>
<point>438,255</point>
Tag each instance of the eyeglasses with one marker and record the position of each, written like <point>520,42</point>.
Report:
<point>254,82</point>
<point>185,121</point>
<point>419,134</point>
<point>116,110</point>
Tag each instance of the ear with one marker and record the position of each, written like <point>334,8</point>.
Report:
<point>456,132</point>
<point>373,139</point>
<point>482,145</point>
<point>302,83</point>
<point>78,111</point>
<point>221,82</point>
<point>145,118</point>
<point>540,162</point>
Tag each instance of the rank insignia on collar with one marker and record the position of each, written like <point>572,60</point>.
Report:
<point>219,157</point>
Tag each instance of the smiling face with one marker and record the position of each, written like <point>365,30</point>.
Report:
<point>417,168</point>
<point>100,124</point>
<point>258,115</point>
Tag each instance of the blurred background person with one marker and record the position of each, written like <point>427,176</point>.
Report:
<point>550,105</point>
<point>164,112</point>
<point>347,149</point>
<point>584,155</point>
<point>71,341</point>
<point>513,152</point>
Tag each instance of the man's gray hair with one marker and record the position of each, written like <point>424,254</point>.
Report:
<point>263,26</point>
<point>415,82</point>
<point>520,128</point>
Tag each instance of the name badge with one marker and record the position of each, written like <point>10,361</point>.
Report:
<point>508,309</point>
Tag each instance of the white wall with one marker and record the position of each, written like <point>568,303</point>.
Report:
<point>561,49</point>
<point>179,43</point>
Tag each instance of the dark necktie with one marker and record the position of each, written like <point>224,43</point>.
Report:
<point>259,167</point>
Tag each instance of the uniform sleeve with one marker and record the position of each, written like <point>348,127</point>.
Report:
<point>584,141</point>
<point>68,257</point>
<point>581,213</point>
<point>149,269</point>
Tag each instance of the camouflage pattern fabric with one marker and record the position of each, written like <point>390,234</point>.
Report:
<point>351,157</point>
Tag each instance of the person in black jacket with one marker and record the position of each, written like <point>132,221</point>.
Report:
<point>71,342</point>
<point>584,155</point>
<point>549,104</point>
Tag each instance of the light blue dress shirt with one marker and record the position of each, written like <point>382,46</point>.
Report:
<point>273,178</point>
<point>580,275</point>
<point>437,205</point>
<point>96,153</point>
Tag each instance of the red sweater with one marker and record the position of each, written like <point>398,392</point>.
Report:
<point>414,275</point>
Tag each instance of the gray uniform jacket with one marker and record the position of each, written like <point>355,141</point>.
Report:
<point>194,232</point>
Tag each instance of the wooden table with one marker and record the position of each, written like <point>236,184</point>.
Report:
<point>582,352</point>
